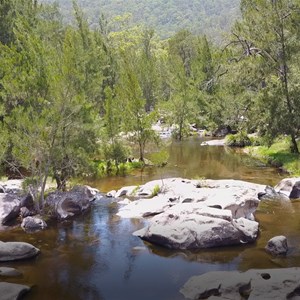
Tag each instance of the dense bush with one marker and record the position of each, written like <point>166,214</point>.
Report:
<point>240,139</point>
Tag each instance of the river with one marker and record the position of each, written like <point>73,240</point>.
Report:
<point>96,256</point>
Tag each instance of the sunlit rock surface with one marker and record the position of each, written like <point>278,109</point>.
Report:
<point>214,143</point>
<point>238,196</point>
<point>17,250</point>
<point>194,226</point>
<point>191,214</point>
<point>267,284</point>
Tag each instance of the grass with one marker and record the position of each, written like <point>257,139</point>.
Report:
<point>155,191</point>
<point>278,155</point>
<point>133,193</point>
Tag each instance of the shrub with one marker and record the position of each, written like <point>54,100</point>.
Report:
<point>155,191</point>
<point>240,139</point>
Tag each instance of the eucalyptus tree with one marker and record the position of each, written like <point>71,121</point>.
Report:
<point>269,32</point>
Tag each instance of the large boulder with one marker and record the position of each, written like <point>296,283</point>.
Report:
<point>265,284</point>
<point>31,224</point>
<point>277,245</point>
<point>17,250</point>
<point>191,214</point>
<point>195,226</point>
<point>9,208</point>
<point>64,205</point>
<point>12,291</point>
<point>290,187</point>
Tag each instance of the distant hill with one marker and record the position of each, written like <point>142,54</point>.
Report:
<point>212,17</point>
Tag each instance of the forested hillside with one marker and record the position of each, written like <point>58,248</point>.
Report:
<point>212,17</point>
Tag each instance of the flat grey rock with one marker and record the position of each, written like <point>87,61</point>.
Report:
<point>10,251</point>
<point>9,272</point>
<point>12,291</point>
<point>195,226</point>
<point>267,284</point>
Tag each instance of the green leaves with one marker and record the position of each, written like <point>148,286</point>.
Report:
<point>268,35</point>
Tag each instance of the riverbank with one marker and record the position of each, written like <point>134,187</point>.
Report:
<point>278,155</point>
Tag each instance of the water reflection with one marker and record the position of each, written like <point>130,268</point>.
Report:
<point>97,257</point>
<point>191,160</point>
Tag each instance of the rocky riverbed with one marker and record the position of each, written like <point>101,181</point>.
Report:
<point>175,213</point>
<point>193,214</point>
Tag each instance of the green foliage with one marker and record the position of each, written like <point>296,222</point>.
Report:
<point>135,119</point>
<point>117,152</point>
<point>135,190</point>
<point>279,155</point>
<point>68,92</point>
<point>48,112</point>
<point>160,158</point>
<point>240,139</point>
<point>155,191</point>
<point>269,33</point>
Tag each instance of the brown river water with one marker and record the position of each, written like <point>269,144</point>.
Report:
<point>96,256</point>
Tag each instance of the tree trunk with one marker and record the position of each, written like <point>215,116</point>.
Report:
<point>141,152</point>
<point>294,147</point>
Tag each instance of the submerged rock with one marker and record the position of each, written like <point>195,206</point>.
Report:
<point>30,224</point>
<point>12,291</point>
<point>17,250</point>
<point>268,284</point>
<point>277,245</point>
<point>9,272</point>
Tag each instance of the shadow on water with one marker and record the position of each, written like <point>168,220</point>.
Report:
<point>97,257</point>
